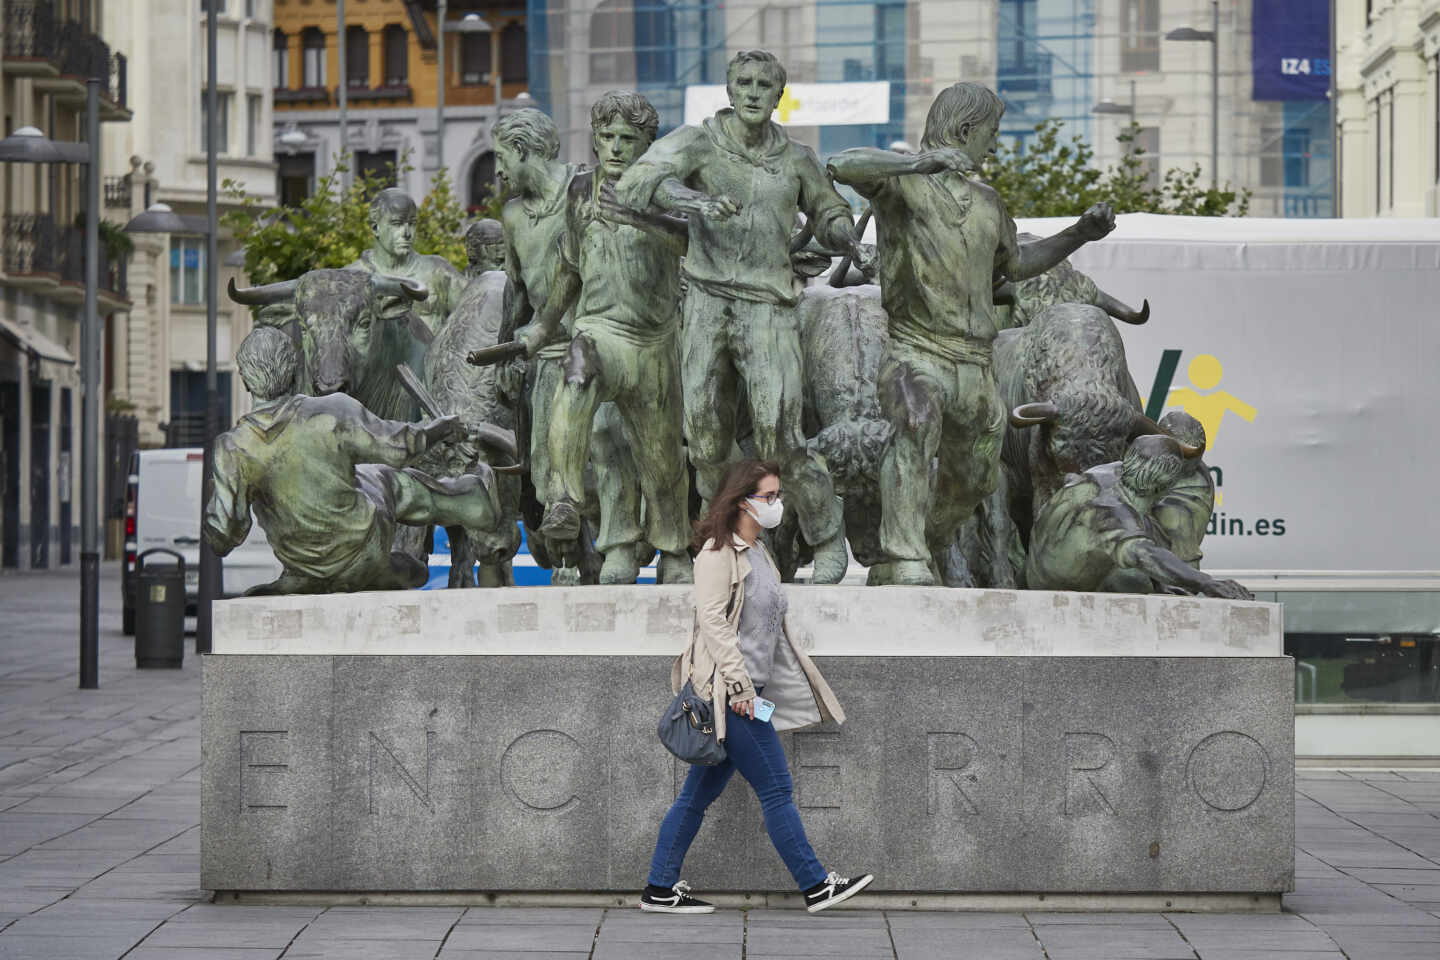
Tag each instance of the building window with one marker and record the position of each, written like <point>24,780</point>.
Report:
<point>514,64</point>
<point>397,51</point>
<point>251,7</point>
<point>612,40</point>
<point>1140,35</point>
<point>379,164</point>
<point>312,46</point>
<point>474,59</point>
<point>254,103</point>
<point>187,269</point>
<point>280,61</point>
<point>222,124</point>
<point>296,173</point>
<point>357,57</point>
<point>482,180</point>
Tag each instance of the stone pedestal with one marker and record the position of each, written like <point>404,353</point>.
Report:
<point>503,741</point>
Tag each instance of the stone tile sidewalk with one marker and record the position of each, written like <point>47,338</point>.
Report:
<point>99,855</point>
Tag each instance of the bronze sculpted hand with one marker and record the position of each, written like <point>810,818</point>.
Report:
<point>715,208</point>
<point>1227,589</point>
<point>1096,222</point>
<point>442,429</point>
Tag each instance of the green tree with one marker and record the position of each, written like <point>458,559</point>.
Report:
<point>1055,177</point>
<point>331,227</point>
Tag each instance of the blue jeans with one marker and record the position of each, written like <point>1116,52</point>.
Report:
<point>754,750</point>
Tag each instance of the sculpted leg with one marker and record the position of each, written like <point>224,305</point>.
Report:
<point>969,453</point>
<point>651,406</point>
<point>572,413</point>
<point>768,355</point>
<point>469,500</point>
<point>617,487</point>
<point>911,400</point>
<point>711,384</point>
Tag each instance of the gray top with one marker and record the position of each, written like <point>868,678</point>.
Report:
<point>762,617</point>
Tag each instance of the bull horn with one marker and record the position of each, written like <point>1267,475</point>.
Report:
<point>1120,311</point>
<point>263,295</point>
<point>1029,414</point>
<point>399,286</point>
<point>1143,426</point>
<point>496,438</point>
<point>1189,451</point>
<point>1003,295</point>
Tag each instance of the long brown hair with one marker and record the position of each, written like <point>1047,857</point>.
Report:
<point>742,478</point>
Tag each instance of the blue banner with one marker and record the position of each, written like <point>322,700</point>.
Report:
<point>1290,49</point>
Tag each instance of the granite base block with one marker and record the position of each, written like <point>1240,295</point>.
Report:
<point>1073,775</point>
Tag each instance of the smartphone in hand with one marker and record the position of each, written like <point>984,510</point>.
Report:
<point>763,709</point>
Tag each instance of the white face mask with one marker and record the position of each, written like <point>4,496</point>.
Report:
<point>768,515</point>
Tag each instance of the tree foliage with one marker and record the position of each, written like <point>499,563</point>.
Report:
<point>1054,177</point>
<point>331,227</point>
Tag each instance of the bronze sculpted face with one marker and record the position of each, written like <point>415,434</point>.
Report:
<point>394,232</point>
<point>618,144</point>
<point>754,92</point>
<point>979,142</point>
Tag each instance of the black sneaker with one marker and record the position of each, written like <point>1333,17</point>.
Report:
<point>676,900</point>
<point>834,889</point>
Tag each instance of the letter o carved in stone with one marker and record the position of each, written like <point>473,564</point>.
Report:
<point>541,769</point>
<point>1227,770</point>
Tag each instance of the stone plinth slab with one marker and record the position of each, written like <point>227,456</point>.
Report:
<point>828,621</point>
<point>529,771</point>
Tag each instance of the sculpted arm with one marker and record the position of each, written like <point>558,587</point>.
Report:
<point>564,294</point>
<point>867,168</point>
<point>227,515</point>
<point>834,227</point>
<point>369,439</point>
<point>1032,259</point>
<point>1164,566</point>
<point>659,178</point>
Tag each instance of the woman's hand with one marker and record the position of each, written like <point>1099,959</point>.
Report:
<point>746,707</point>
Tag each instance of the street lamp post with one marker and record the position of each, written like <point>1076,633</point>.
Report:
<point>1212,37</point>
<point>209,586</point>
<point>443,11</point>
<point>29,145</point>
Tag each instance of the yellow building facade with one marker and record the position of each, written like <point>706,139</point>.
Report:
<point>392,76</point>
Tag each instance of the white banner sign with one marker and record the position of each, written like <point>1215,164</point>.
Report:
<point>804,104</point>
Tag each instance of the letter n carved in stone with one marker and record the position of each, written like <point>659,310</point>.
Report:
<point>379,748</point>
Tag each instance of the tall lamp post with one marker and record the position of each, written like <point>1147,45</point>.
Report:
<point>29,145</point>
<point>1212,37</point>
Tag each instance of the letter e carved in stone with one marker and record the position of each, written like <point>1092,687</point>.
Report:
<point>264,762</point>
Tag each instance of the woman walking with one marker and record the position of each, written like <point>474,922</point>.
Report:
<point>740,649</point>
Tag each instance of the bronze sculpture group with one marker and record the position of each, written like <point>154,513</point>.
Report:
<point>969,421</point>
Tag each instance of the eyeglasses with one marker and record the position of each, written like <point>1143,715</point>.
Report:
<point>767,497</point>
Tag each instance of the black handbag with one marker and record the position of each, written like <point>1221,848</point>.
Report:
<point>687,728</point>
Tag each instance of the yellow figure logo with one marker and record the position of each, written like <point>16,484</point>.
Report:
<point>788,105</point>
<point>1210,407</point>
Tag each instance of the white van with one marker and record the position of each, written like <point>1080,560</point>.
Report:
<point>162,509</point>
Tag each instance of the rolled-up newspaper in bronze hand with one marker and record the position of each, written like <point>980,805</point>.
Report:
<point>499,353</point>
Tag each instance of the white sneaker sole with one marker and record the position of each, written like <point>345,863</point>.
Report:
<point>859,885</point>
<point>663,908</point>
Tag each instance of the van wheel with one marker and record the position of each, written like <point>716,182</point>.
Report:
<point>127,621</point>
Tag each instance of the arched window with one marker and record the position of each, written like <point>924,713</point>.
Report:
<point>280,61</point>
<point>514,63</point>
<point>482,179</point>
<point>312,48</point>
<point>397,50</point>
<point>474,59</point>
<point>357,57</point>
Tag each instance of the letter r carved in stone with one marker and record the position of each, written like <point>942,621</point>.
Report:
<point>1087,757</point>
<point>952,757</point>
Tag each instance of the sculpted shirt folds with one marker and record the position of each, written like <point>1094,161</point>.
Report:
<point>1081,534</point>
<point>440,277</point>
<point>631,276</point>
<point>746,256</point>
<point>941,239</point>
<point>532,232</point>
<point>294,463</point>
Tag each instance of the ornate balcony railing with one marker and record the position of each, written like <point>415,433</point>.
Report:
<point>32,32</point>
<point>117,191</point>
<point>28,244</point>
<point>33,246</point>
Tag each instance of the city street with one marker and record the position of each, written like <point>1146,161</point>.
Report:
<point>100,854</point>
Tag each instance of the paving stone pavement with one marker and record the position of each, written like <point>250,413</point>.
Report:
<point>99,855</point>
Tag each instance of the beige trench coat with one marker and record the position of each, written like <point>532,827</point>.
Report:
<point>800,693</point>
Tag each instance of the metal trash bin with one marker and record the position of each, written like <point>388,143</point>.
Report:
<point>159,612</point>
